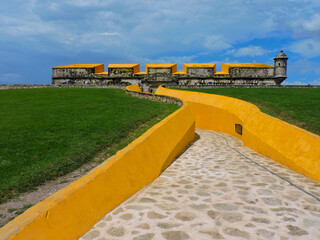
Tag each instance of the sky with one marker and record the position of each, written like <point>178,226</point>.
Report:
<point>36,35</point>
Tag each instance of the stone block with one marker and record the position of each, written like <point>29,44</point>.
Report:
<point>199,69</point>
<point>123,70</point>
<point>76,70</point>
<point>160,72</point>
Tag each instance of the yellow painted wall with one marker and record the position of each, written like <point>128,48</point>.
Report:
<point>292,146</point>
<point>173,66</point>
<point>225,67</point>
<point>72,211</point>
<point>198,65</point>
<point>134,88</point>
<point>135,67</point>
<point>98,68</point>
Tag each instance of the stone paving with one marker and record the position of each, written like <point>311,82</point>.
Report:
<point>213,192</point>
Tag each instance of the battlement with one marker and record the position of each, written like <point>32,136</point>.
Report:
<point>125,70</point>
<point>193,74</point>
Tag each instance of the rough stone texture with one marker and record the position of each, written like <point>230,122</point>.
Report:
<point>201,196</point>
<point>251,72</point>
<point>200,72</point>
<point>72,72</point>
<point>159,74</point>
<point>227,81</point>
<point>157,79</point>
<point>93,81</point>
<point>120,72</point>
<point>22,86</point>
<point>195,76</point>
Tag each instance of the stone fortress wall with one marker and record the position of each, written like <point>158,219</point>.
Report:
<point>193,74</point>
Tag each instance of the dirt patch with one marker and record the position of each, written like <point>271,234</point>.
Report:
<point>17,206</point>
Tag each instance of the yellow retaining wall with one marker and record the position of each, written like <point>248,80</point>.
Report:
<point>291,146</point>
<point>134,88</point>
<point>72,211</point>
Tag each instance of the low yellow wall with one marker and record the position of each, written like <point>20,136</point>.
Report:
<point>291,146</point>
<point>72,211</point>
<point>134,88</point>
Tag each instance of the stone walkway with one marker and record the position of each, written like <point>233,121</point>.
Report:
<point>213,192</point>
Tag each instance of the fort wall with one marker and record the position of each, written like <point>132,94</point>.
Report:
<point>193,74</point>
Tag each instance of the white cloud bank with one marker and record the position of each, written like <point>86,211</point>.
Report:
<point>216,43</point>
<point>154,27</point>
<point>308,48</point>
<point>251,51</point>
<point>130,31</point>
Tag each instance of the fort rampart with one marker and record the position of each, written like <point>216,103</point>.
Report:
<point>193,74</point>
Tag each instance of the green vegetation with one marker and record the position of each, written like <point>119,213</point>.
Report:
<point>46,133</point>
<point>19,210</point>
<point>298,106</point>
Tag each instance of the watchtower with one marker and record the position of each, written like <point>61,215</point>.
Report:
<point>280,65</point>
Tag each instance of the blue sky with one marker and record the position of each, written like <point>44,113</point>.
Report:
<point>37,35</point>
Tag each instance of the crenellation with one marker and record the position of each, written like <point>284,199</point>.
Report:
<point>193,74</point>
<point>123,70</point>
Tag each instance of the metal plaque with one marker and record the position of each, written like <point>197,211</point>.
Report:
<point>238,128</point>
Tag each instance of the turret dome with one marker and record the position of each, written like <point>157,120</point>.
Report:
<point>281,54</point>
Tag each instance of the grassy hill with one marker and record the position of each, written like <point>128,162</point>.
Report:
<point>46,133</point>
<point>298,106</point>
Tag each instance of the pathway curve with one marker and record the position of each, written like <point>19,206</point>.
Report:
<point>218,189</point>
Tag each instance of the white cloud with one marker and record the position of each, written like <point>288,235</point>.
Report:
<point>152,27</point>
<point>304,66</point>
<point>10,78</point>
<point>148,29</point>
<point>14,27</point>
<point>308,48</point>
<point>313,24</point>
<point>316,82</point>
<point>86,3</point>
<point>304,82</point>
<point>53,6</point>
<point>294,83</point>
<point>216,43</point>
<point>179,60</point>
<point>110,34</point>
<point>305,23</point>
<point>251,51</point>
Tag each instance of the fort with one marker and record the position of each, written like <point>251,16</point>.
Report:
<point>193,74</point>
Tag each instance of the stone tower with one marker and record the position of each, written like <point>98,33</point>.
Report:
<point>280,66</point>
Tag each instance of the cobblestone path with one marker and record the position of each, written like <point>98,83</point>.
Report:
<point>214,190</point>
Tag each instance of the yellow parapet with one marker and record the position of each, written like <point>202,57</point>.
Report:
<point>179,73</point>
<point>102,73</point>
<point>226,66</point>
<point>221,73</point>
<point>72,211</point>
<point>135,67</point>
<point>287,144</point>
<point>98,68</point>
<point>173,66</point>
<point>198,65</point>
<point>134,88</point>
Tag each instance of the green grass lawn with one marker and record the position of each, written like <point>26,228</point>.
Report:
<point>46,133</point>
<point>298,106</point>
